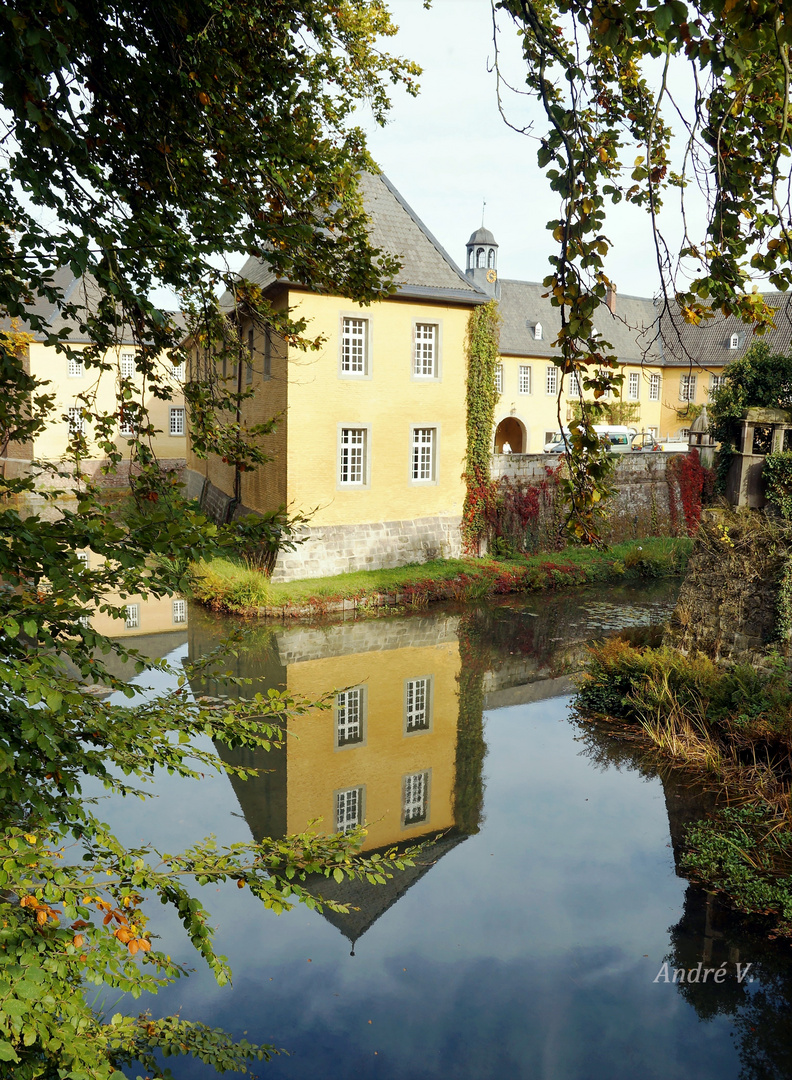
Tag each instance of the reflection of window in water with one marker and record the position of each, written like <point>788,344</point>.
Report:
<point>415,798</point>
<point>762,440</point>
<point>180,611</point>
<point>417,704</point>
<point>132,616</point>
<point>349,805</point>
<point>350,714</point>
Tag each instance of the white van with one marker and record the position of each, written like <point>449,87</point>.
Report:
<point>556,443</point>
<point>618,437</point>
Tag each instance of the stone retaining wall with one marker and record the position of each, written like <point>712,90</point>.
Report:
<point>728,607</point>
<point>640,505</point>
<point>328,550</point>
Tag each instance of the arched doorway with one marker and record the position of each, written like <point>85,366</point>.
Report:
<point>512,433</point>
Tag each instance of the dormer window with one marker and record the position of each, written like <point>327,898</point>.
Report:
<point>734,341</point>
<point>481,257</point>
<point>538,332</point>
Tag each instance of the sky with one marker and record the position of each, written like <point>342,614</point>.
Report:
<point>449,150</point>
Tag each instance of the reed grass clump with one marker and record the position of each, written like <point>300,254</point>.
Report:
<point>229,584</point>
<point>731,725</point>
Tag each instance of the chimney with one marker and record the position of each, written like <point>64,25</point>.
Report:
<point>610,299</point>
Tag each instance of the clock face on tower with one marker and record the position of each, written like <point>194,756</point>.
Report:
<point>491,276</point>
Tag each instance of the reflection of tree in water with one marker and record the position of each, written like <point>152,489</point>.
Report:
<point>762,1010</point>
<point>711,933</point>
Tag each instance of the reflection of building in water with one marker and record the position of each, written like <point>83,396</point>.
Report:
<point>385,753</point>
<point>156,626</point>
<point>142,616</point>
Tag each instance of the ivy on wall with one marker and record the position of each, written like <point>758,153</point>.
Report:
<point>483,347</point>
<point>777,477</point>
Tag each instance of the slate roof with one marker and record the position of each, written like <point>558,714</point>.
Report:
<point>369,902</point>
<point>483,236</point>
<point>427,272</point>
<point>708,343</point>
<point>632,330</point>
<point>84,293</point>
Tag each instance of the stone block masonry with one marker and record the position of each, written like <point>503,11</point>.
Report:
<point>640,503</point>
<point>342,549</point>
<point>729,607</point>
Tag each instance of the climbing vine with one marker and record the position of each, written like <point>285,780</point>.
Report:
<point>482,355</point>
<point>777,476</point>
<point>695,484</point>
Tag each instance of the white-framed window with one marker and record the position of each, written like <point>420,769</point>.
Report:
<point>75,368</point>
<point>481,258</point>
<point>177,371</point>
<point>127,365</point>
<point>84,621</point>
<point>538,332</point>
<point>176,421</point>
<point>348,809</point>
<point>574,385</point>
<point>499,378</point>
<point>606,373</point>
<point>425,350</point>
<point>179,611</point>
<point>687,388</point>
<point>654,387</point>
<point>76,420</point>
<point>126,424</point>
<point>634,385</point>
<point>551,382</point>
<point>132,621</point>
<point>353,457</point>
<point>350,716</point>
<point>716,382</point>
<point>417,704</point>
<point>415,798</point>
<point>354,346</point>
<point>734,341</point>
<point>423,458</point>
<point>524,380</point>
<point>684,433</point>
<point>85,558</point>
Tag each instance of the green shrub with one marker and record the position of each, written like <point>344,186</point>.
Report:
<point>777,477</point>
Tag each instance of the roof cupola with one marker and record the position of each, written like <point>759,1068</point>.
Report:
<point>481,265</point>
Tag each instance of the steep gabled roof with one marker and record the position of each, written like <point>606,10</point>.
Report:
<point>427,271</point>
<point>84,293</point>
<point>632,330</point>
<point>368,902</point>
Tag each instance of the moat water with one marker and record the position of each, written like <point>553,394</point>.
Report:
<point>530,938</point>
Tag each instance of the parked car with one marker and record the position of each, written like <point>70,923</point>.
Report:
<point>645,440</point>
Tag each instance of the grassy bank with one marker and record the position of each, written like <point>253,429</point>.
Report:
<point>729,725</point>
<point>229,585</point>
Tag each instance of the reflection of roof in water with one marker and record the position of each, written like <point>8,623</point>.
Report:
<point>368,902</point>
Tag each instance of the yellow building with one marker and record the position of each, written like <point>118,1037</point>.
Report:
<point>527,412</point>
<point>695,357</point>
<point>69,381</point>
<point>371,436</point>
